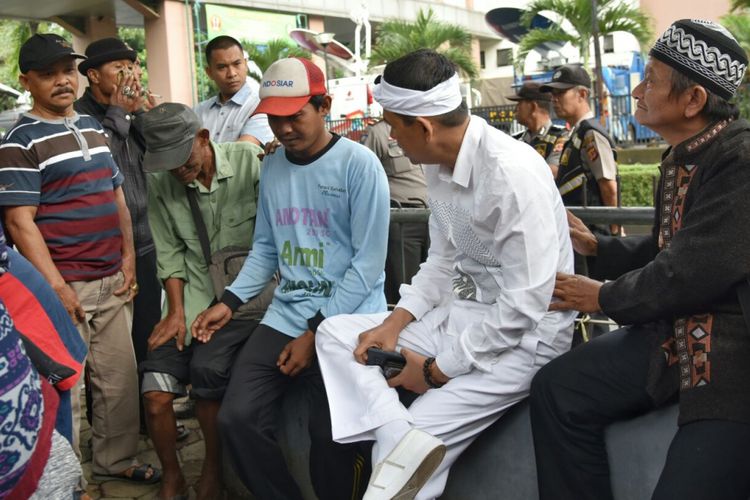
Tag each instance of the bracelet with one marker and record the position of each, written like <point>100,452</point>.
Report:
<point>426,373</point>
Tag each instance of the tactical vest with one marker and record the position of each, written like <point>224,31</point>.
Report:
<point>545,144</point>
<point>576,182</point>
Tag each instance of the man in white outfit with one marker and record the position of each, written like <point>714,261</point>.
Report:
<point>474,325</point>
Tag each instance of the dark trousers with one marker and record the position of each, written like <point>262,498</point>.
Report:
<point>574,397</point>
<point>146,305</point>
<point>250,418</point>
<point>408,243</point>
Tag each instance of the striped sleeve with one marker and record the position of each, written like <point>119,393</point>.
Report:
<point>20,177</point>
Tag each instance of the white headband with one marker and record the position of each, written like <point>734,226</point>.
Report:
<point>440,99</point>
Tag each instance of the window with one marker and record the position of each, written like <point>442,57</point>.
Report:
<point>504,57</point>
<point>481,59</point>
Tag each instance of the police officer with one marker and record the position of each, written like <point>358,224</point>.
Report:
<point>407,242</point>
<point>533,109</point>
<point>587,175</point>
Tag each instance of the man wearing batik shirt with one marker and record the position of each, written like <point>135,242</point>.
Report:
<point>682,290</point>
<point>65,211</point>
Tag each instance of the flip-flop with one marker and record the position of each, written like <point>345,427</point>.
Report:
<point>137,476</point>
<point>182,432</point>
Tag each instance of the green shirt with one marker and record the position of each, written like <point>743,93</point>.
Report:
<point>228,208</point>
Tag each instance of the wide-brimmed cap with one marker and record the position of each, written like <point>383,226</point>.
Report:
<point>169,131</point>
<point>568,76</point>
<point>43,50</point>
<point>287,86</point>
<point>106,50</point>
<point>529,91</point>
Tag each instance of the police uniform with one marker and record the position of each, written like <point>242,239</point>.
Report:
<point>587,157</point>
<point>408,190</point>
<point>548,141</point>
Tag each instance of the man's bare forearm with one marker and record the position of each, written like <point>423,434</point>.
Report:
<point>173,287</point>
<point>19,222</point>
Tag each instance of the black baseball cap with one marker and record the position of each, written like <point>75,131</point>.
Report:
<point>106,50</point>
<point>566,77</point>
<point>43,50</point>
<point>529,91</point>
<point>169,131</point>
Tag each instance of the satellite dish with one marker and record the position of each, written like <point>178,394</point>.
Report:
<point>506,22</point>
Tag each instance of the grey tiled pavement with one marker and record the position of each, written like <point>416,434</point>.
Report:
<point>190,452</point>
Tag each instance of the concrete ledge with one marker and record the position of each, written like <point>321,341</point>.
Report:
<point>501,462</point>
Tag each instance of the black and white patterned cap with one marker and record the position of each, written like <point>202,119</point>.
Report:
<point>705,52</point>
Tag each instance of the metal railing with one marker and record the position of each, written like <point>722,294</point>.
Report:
<point>622,126</point>
<point>641,216</point>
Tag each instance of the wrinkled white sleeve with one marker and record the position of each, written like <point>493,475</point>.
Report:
<point>521,218</point>
<point>433,283</point>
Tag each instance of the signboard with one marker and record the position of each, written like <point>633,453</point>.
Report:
<point>244,24</point>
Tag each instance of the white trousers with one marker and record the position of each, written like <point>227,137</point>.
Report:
<point>361,401</point>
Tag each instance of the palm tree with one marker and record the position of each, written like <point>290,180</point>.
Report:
<point>267,53</point>
<point>613,15</point>
<point>397,38</point>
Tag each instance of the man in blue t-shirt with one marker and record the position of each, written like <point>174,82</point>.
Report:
<point>322,221</point>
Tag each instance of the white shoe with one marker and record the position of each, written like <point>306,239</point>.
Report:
<point>407,468</point>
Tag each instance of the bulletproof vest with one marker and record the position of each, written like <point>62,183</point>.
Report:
<point>576,182</point>
<point>545,144</point>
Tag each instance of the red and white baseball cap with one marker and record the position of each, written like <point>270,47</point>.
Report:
<point>288,84</point>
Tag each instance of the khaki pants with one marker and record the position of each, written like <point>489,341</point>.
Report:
<point>114,378</point>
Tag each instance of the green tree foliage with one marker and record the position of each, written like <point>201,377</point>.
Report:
<point>136,38</point>
<point>12,35</point>
<point>740,4</point>
<point>268,53</point>
<point>397,38</point>
<point>738,24</point>
<point>577,17</point>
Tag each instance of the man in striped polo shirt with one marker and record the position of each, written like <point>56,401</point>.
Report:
<point>64,209</point>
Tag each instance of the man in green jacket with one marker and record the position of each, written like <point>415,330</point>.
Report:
<point>225,179</point>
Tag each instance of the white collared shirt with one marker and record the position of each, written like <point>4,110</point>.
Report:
<point>499,234</point>
<point>227,122</point>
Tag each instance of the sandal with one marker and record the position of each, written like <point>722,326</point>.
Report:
<point>182,432</point>
<point>139,474</point>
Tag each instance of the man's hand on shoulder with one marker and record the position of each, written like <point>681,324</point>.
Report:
<point>297,355</point>
<point>269,148</point>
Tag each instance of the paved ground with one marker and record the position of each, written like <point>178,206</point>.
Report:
<point>190,453</point>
